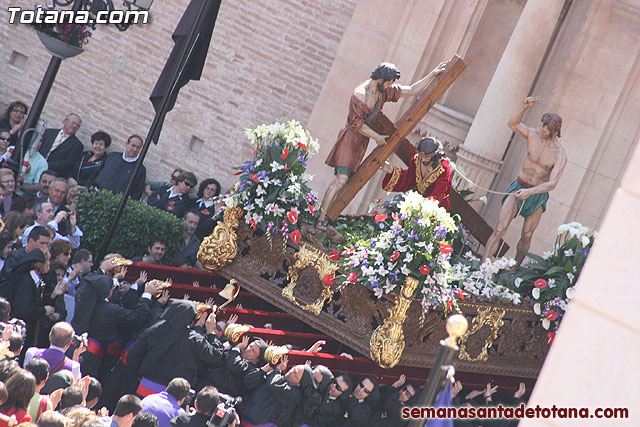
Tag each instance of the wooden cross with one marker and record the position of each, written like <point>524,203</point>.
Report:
<point>397,134</point>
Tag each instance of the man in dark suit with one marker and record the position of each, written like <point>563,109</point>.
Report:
<point>61,147</point>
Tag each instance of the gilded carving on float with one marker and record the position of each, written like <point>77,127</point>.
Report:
<point>306,257</point>
<point>387,341</point>
<point>274,353</point>
<point>235,331</point>
<point>485,316</point>
<point>220,248</point>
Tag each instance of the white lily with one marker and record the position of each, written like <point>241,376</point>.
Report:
<point>546,323</point>
<point>536,293</point>
<point>570,292</point>
<point>536,308</point>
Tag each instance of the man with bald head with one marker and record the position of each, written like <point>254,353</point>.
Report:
<point>61,336</point>
<point>61,147</point>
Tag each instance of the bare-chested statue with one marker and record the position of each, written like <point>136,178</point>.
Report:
<point>540,173</point>
<point>349,149</point>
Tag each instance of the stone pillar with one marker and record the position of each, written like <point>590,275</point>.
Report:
<point>480,155</point>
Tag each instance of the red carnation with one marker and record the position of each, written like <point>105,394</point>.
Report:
<point>540,283</point>
<point>284,154</point>
<point>295,236</point>
<point>301,145</point>
<point>381,217</point>
<point>449,305</point>
<point>394,256</point>
<point>461,294</point>
<point>334,255</point>
<point>424,269</point>
<point>551,315</point>
<point>253,177</point>
<point>292,216</point>
<point>352,277</point>
<point>328,279</point>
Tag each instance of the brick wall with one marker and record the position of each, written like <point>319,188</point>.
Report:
<point>267,60</point>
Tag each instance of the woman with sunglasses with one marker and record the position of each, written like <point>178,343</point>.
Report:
<point>13,120</point>
<point>429,173</point>
<point>175,199</point>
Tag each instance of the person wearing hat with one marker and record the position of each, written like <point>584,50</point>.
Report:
<point>101,318</point>
<point>368,96</point>
<point>429,173</point>
<point>276,399</point>
<point>231,378</point>
<point>173,348</point>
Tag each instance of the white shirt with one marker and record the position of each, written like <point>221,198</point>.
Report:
<point>75,366</point>
<point>74,239</point>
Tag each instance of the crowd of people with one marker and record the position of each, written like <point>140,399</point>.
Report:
<point>84,347</point>
<point>58,168</point>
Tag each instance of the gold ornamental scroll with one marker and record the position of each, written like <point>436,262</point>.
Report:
<point>220,248</point>
<point>485,316</point>
<point>387,341</point>
<point>306,257</point>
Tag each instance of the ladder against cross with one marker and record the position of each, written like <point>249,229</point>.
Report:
<point>396,141</point>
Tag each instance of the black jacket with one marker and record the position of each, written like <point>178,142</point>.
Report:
<point>170,348</point>
<point>177,204</point>
<point>188,420</point>
<point>273,402</point>
<point>85,172</point>
<point>62,159</point>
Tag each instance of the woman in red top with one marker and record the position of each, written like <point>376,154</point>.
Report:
<point>429,173</point>
<point>20,386</point>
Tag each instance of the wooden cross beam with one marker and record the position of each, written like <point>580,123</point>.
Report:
<point>397,134</point>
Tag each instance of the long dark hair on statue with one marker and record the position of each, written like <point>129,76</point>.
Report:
<point>431,147</point>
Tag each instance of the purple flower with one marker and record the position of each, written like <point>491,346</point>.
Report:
<point>412,235</point>
<point>585,252</point>
<point>394,274</point>
<point>441,232</point>
<point>375,283</point>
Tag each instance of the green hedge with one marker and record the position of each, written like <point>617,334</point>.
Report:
<point>139,222</point>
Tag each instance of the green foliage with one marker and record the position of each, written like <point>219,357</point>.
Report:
<point>139,222</point>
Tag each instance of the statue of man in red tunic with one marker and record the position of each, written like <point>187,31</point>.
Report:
<point>350,148</point>
<point>429,173</point>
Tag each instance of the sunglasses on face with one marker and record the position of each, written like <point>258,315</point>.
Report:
<point>188,184</point>
<point>364,388</point>
<point>4,138</point>
<point>406,390</point>
<point>338,386</point>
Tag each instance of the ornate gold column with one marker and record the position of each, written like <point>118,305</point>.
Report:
<point>480,155</point>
